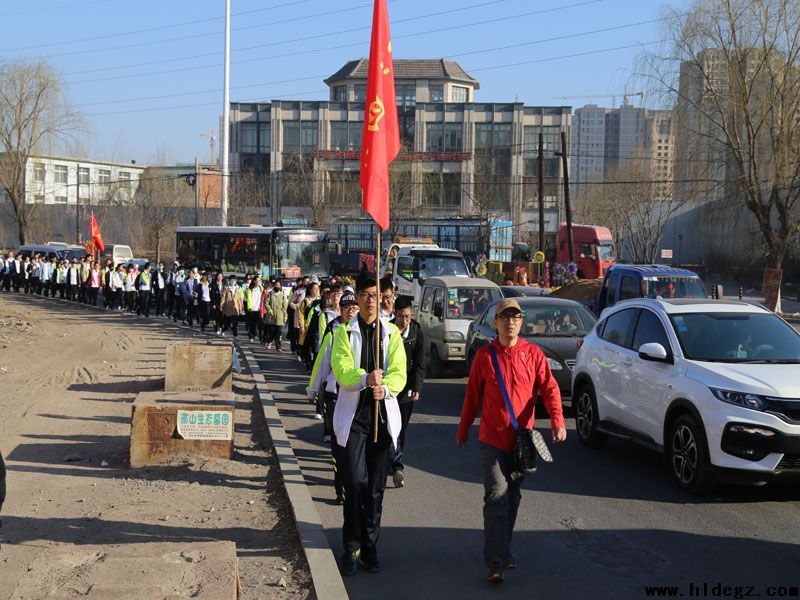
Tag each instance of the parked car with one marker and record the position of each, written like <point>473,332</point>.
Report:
<point>554,324</point>
<point>712,384</point>
<point>522,291</point>
<point>448,306</point>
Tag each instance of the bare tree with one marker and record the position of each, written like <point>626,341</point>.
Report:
<point>34,113</point>
<point>629,204</point>
<point>732,65</point>
<point>156,208</point>
<point>303,187</point>
<point>490,194</point>
<point>250,197</point>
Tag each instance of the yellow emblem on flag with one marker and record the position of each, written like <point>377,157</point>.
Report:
<point>376,113</point>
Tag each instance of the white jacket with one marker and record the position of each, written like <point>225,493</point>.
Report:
<point>347,400</point>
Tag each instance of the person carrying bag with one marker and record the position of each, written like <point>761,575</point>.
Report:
<point>506,377</point>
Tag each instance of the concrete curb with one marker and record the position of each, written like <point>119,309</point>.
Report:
<point>325,573</point>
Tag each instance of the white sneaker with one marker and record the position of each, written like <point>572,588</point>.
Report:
<point>326,438</point>
<point>318,417</point>
<point>269,346</point>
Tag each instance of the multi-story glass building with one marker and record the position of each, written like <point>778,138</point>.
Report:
<point>460,157</point>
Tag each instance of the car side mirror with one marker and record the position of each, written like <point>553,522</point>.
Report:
<point>654,352</point>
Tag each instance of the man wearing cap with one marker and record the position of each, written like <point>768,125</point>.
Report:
<point>323,382</point>
<point>524,371</point>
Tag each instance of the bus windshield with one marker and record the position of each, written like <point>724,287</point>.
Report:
<point>303,250</point>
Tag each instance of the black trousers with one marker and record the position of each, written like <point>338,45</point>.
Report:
<point>329,405</point>
<point>396,455</point>
<point>363,465</point>
<point>169,300</point>
<point>72,292</point>
<point>159,298</point>
<point>177,308</point>
<point>231,322</point>
<point>92,298</point>
<point>191,311</point>
<point>143,307</point>
<point>273,333</point>
<point>255,325</point>
<point>204,314</point>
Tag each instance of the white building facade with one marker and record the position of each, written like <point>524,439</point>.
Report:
<point>65,181</point>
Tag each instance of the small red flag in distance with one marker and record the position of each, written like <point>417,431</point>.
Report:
<point>97,239</point>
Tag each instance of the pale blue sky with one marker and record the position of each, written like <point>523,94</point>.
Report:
<point>120,58</point>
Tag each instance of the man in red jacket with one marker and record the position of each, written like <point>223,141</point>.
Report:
<point>525,371</point>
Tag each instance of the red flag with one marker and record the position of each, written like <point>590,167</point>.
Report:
<point>97,239</point>
<point>381,141</point>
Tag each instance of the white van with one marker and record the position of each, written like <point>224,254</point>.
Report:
<point>118,253</point>
<point>449,305</point>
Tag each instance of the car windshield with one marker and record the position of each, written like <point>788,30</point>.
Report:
<point>736,338</point>
<point>674,287</point>
<point>442,266</point>
<point>556,320</point>
<point>606,252</point>
<point>469,303</point>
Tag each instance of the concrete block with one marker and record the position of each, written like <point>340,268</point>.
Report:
<point>169,425</point>
<point>198,366</point>
<point>202,570</point>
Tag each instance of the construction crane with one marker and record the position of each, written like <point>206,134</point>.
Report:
<point>625,95</point>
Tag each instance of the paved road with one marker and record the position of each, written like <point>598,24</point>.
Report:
<point>596,524</point>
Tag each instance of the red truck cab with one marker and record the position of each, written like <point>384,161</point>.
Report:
<point>593,249</point>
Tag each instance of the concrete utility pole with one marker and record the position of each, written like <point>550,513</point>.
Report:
<point>226,115</point>
<point>77,205</point>
<point>541,193</point>
<point>567,208</point>
<point>196,192</point>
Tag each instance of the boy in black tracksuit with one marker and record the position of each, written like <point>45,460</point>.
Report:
<point>414,344</point>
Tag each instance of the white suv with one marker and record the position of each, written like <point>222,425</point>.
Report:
<point>713,384</point>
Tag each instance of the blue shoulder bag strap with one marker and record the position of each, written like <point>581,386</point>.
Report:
<point>503,388</point>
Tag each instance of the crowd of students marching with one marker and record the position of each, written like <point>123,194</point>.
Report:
<point>207,299</point>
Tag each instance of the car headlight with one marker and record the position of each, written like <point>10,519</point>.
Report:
<point>554,364</point>
<point>752,401</point>
<point>453,336</point>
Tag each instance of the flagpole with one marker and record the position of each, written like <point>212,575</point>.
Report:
<point>377,324</point>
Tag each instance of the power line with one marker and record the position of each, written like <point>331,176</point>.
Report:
<point>32,11</point>
<point>140,110</point>
<point>602,50</point>
<point>212,33</point>
<point>334,33</point>
<point>149,29</point>
<point>216,90</point>
<point>205,54</point>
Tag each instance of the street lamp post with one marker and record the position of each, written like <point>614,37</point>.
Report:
<point>226,117</point>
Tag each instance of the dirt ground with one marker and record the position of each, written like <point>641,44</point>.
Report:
<point>68,377</point>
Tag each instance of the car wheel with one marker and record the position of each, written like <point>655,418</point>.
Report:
<point>688,456</point>
<point>436,363</point>
<point>587,419</point>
